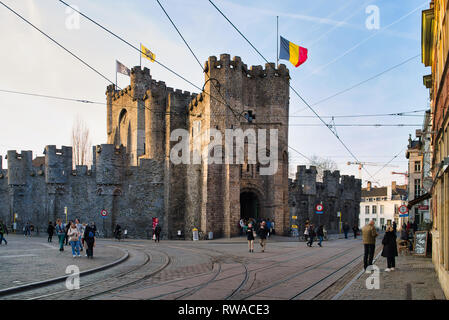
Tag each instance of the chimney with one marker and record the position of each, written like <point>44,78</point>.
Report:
<point>368,186</point>
<point>393,185</point>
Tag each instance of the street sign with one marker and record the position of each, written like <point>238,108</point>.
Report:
<point>65,210</point>
<point>319,209</point>
<point>403,215</point>
<point>338,214</point>
<point>403,210</point>
<point>294,226</point>
<point>104,213</point>
<point>294,217</point>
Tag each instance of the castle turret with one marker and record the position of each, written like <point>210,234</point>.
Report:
<point>19,167</point>
<point>110,164</point>
<point>58,164</point>
<point>331,181</point>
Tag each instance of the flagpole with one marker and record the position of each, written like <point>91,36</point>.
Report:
<point>277,42</point>
<point>140,50</point>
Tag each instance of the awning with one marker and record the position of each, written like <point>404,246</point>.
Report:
<point>425,196</point>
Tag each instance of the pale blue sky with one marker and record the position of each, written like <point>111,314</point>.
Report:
<point>342,52</point>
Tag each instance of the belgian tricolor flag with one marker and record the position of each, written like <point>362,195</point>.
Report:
<point>295,54</point>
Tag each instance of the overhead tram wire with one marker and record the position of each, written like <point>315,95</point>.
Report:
<point>196,58</point>
<point>64,48</point>
<point>137,49</point>
<point>302,99</point>
<point>132,46</point>
<point>87,101</point>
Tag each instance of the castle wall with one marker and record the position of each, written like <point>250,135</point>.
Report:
<point>337,194</point>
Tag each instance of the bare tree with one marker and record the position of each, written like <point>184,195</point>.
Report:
<point>322,164</point>
<point>81,143</point>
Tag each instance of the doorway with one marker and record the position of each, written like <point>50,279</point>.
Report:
<point>249,205</point>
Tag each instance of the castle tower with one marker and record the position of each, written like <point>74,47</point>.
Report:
<point>238,98</point>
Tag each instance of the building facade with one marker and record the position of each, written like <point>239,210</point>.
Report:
<point>435,50</point>
<point>133,176</point>
<point>381,205</point>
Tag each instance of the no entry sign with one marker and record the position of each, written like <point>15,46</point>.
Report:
<point>403,209</point>
<point>319,208</point>
<point>104,213</point>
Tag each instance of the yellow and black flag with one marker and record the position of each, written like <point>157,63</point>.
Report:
<point>146,53</point>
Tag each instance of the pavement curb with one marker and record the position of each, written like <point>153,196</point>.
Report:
<point>43,283</point>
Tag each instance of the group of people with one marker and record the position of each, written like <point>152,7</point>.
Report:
<point>263,231</point>
<point>310,232</point>
<point>256,224</point>
<point>79,236</point>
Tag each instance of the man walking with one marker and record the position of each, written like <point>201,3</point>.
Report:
<point>320,234</point>
<point>369,235</point>
<point>157,232</point>
<point>355,229</point>
<point>346,229</point>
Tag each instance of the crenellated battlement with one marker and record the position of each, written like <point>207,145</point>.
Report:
<point>236,64</point>
<point>19,166</point>
<point>58,164</point>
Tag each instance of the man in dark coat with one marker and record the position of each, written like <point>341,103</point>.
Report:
<point>89,239</point>
<point>390,250</point>
<point>157,232</point>
<point>346,229</point>
<point>311,235</point>
<point>355,229</point>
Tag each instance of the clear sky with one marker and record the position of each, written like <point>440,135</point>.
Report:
<point>342,52</point>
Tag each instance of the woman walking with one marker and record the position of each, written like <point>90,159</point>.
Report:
<point>250,236</point>
<point>74,239</point>
<point>60,232</point>
<point>50,231</point>
<point>390,250</point>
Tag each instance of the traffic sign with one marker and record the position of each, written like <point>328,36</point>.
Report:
<point>319,208</point>
<point>403,209</point>
<point>104,213</point>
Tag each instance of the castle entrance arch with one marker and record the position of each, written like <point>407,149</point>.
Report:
<point>249,205</point>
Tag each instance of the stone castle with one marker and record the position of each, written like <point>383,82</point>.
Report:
<point>336,193</point>
<point>132,177</point>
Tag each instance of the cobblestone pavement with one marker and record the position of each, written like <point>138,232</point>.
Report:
<point>414,278</point>
<point>27,260</point>
<point>215,269</point>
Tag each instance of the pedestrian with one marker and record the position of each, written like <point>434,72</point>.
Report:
<point>27,230</point>
<point>79,226</point>
<point>263,232</point>
<point>242,225</point>
<point>118,232</point>
<point>414,226</point>
<point>272,227</point>
<point>311,235</point>
<point>250,236</point>
<point>369,235</point>
<point>157,232</point>
<point>395,226</point>
<point>320,234</point>
<point>74,239</point>
<point>89,239</point>
<point>60,232</point>
<point>355,229</point>
<point>390,250</point>
<point>67,227</point>
<point>50,231</point>
<point>3,230</point>
<point>306,233</point>
<point>268,227</point>
<point>346,229</point>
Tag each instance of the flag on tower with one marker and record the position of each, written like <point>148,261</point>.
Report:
<point>289,51</point>
<point>121,68</point>
<point>146,53</point>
